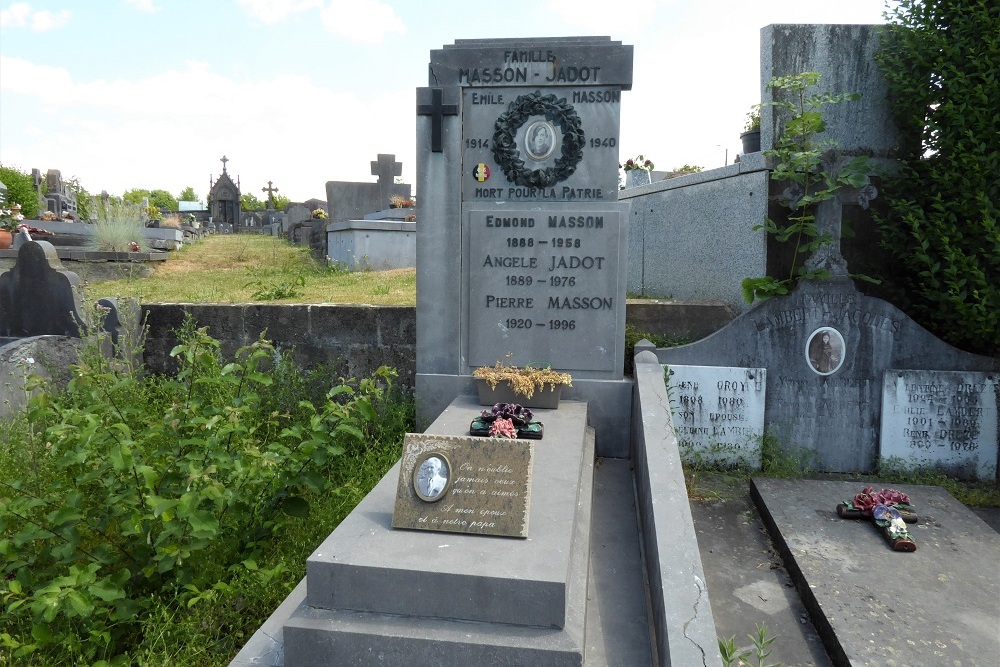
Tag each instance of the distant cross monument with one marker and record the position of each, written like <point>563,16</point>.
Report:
<point>386,168</point>
<point>436,110</point>
<point>224,161</point>
<point>270,194</point>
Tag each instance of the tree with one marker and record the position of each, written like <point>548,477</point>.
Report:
<point>20,190</point>
<point>188,194</point>
<point>83,199</point>
<point>248,202</point>
<point>280,202</point>
<point>160,199</point>
<point>941,59</point>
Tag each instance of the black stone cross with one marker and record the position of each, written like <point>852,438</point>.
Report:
<point>829,217</point>
<point>270,194</point>
<point>224,161</point>
<point>386,168</point>
<point>437,110</point>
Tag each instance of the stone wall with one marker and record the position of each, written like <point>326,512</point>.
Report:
<point>362,338</point>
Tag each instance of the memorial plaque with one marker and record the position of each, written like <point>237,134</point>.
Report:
<point>718,412</point>
<point>544,285</point>
<point>942,419</point>
<point>461,484</point>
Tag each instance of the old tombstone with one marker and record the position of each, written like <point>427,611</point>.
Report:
<point>39,296</point>
<point>352,201</point>
<point>524,188</point>
<point>718,412</point>
<point>946,420</point>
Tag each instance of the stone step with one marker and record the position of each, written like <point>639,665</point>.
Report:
<point>378,596</point>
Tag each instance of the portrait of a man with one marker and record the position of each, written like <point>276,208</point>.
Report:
<point>431,477</point>
<point>539,140</point>
<point>825,350</point>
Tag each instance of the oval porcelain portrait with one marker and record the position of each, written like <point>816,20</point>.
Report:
<point>539,140</point>
<point>432,477</point>
<point>825,351</point>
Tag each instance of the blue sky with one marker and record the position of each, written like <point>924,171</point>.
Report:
<point>152,93</point>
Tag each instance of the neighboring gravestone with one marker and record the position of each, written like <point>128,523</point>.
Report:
<point>39,296</point>
<point>943,420</point>
<point>718,412</point>
<point>59,199</point>
<point>518,160</point>
<point>825,347</point>
<point>351,201</point>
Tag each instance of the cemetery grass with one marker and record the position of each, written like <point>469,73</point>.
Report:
<point>158,520</point>
<point>245,268</point>
<point>709,481</point>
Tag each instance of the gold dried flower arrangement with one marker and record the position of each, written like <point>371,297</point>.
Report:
<point>523,381</point>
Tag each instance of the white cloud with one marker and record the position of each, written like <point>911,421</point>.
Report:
<point>272,11</point>
<point>144,5</point>
<point>367,21</point>
<point>107,131</point>
<point>21,15</point>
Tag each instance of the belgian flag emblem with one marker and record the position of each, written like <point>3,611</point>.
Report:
<point>481,172</point>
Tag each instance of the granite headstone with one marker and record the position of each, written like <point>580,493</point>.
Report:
<point>942,419</point>
<point>718,412</point>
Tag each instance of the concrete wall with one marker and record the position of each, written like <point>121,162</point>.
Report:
<point>844,55</point>
<point>691,238</point>
<point>372,244</point>
<point>681,612</point>
<point>364,337</point>
<point>360,338</point>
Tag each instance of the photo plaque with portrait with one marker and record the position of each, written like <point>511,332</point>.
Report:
<point>464,484</point>
<point>825,351</point>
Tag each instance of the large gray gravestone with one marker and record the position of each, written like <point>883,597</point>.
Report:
<point>517,148</point>
<point>718,412</point>
<point>825,347</point>
<point>39,296</point>
<point>940,419</point>
<point>352,201</point>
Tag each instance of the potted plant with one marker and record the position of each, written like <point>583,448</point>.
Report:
<point>9,221</point>
<point>638,171</point>
<point>751,131</point>
<point>532,386</point>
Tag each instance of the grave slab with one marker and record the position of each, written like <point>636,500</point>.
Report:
<point>382,597</point>
<point>365,565</point>
<point>939,605</point>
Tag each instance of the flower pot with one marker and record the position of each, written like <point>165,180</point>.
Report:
<point>544,398</point>
<point>6,239</point>
<point>637,177</point>
<point>751,141</point>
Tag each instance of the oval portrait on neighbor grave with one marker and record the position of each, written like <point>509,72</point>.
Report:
<point>825,351</point>
<point>432,476</point>
<point>540,140</point>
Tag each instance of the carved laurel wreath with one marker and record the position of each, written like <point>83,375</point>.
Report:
<point>508,156</point>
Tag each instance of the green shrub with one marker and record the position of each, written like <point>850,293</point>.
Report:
<point>116,226</point>
<point>941,59</point>
<point>20,190</point>
<point>133,498</point>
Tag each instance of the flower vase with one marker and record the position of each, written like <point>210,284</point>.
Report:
<point>6,239</point>
<point>636,177</point>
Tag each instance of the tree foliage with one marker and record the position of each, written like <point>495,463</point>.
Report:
<point>20,190</point>
<point>188,194</point>
<point>941,59</point>
<point>249,202</point>
<point>159,198</point>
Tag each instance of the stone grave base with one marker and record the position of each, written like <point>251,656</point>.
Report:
<point>939,605</point>
<point>378,596</point>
